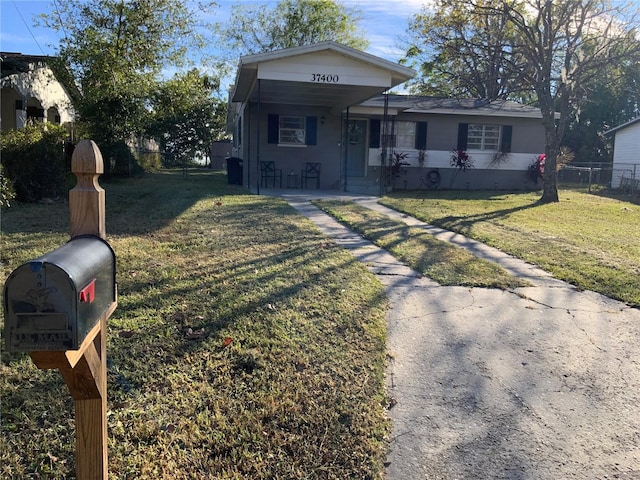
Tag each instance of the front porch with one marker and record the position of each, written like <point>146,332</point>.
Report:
<point>291,108</point>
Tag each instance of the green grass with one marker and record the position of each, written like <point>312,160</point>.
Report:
<point>244,345</point>
<point>438,260</point>
<point>591,241</point>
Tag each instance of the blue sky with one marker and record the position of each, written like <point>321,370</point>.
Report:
<point>384,21</point>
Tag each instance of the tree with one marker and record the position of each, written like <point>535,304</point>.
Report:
<point>116,51</point>
<point>462,51</point>
<point>562,45</point>
<point>187,116</point>
<point>612,97</point>
<point>553,49</point>
<point>291,23</point>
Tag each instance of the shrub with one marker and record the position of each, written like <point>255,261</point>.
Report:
<point>150,161</point>
<point>34,160</point>
<point>7,193</point>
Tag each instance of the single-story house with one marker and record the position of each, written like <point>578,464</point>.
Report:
<point>626,155</point>
<point>321,116</point>
<point>31,92</point>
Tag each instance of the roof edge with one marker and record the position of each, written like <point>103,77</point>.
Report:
<point>624,125</point>
<point>327,45</point>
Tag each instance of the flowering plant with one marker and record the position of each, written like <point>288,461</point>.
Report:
<point>535,171</point>
<point>398,161</point>
<point>461,160</point>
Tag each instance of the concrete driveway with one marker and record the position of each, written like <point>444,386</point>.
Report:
<point>541,382</point>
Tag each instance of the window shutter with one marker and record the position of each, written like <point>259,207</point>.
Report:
<point>463,132</point>
<point>421,136</point>
<point>312,130</point>
<point>505,143</point>
<point>374,133</point>
<point>273,128</point>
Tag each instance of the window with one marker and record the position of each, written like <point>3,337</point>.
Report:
<point>292,130</point>
<point>412,135</point>
<point>483,137</point>
<point>400,134</point>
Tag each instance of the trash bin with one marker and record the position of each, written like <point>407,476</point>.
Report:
<point>234,170</point>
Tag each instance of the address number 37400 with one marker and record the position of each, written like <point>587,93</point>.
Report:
<point>324,78</point>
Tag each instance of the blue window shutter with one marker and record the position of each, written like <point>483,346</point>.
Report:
<point>505,143</point>
<point>312,130</point>
<point>421,136</point>
<point>273,128</point>
<point>463,132</point>
<point>374,133</point>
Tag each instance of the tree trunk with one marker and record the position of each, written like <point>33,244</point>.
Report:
<point>549,188</point>
<point>550,177</point>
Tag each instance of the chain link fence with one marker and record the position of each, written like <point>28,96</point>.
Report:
<point>624,177</point>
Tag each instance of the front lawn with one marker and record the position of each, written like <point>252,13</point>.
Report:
<point>245,345</point>
<point>443,262</point>
<point>591,241</point>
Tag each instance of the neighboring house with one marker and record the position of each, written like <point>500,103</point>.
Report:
<point>31,92</point>
<point>326,104</point>
<point>626,155</point>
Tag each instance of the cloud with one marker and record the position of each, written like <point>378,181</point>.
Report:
<point>385,24</point>
<point>378,8</point>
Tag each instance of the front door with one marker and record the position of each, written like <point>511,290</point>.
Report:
<point>356,148</point>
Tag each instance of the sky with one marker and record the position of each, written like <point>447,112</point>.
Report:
<point>383,21</point>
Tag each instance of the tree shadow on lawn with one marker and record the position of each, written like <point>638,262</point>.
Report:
<point>179,316</point>
<point>134,206</point>
<point>149,203</point>
<point>464,224</point>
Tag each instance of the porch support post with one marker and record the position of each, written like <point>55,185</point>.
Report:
<point>345,142</point>
<point>258,139</point>
<point>385,136</point>
<point>247,153</point>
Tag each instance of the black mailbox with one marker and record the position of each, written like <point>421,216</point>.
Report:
<point>53,302</point>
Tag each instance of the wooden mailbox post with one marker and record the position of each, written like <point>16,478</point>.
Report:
<point>85,370</point>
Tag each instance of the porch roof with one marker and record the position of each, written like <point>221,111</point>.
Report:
<point>324,74</point>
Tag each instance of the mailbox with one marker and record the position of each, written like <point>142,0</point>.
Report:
<point>53,302</point>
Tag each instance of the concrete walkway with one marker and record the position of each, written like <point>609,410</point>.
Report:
<point>541,382</point>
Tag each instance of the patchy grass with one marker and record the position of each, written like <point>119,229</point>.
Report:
<point>591,241</point>
<point>245,345</point>
<point>438,260</point>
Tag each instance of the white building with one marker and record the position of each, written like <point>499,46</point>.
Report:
<point>626,155</point>
<point>31,92</point>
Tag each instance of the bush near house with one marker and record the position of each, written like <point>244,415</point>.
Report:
<point>34,161</point>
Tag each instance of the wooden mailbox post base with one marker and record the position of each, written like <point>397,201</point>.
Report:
<point>85,370</point>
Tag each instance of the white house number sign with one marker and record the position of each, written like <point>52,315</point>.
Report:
<point>324,78</point>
